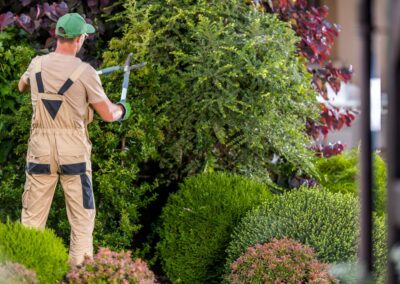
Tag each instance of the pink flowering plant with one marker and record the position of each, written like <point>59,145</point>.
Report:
<point>11,272</point>
<point>111,267</point>
<point>280,261</point>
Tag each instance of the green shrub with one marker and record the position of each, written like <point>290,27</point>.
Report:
<point>340,174</point>
<point>111,267</point>
<point>197,223</point>
<point>328,222</point>
<point>379,239</point>
<point>14,58</point>
<point>14,122</point>
<point>280,261</point>
<point>40,251</point>
<point>223,83</point>
<point>15,273</point>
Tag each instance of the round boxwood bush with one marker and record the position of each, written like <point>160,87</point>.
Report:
<point>280,261</point>
<point>39,250</point>
<point>328,222</point>
<point>197,223</point>
<point>340,174</point>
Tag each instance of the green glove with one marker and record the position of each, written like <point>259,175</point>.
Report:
<point>127,110</point>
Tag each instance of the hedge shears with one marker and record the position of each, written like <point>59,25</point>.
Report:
<point>127,70</point>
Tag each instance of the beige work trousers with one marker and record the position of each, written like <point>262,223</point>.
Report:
<point>59,148</point>
<point>71,165</point>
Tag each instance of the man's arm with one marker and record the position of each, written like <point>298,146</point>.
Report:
<point>23,85</point>
<point>108,111</point>
<point>99,101</point>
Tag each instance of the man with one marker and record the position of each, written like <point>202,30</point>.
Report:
<point>64,92</point>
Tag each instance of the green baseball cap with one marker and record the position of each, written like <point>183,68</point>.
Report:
<point>73,25</point>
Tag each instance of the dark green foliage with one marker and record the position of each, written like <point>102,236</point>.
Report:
<point>197,223</point>
<point>340,174</point>
<point>14,58</point>
<point>223,83</point>
<point>12,170</point>
<point>15,114</point>
<point>117,151</point>
<point>326,221</point>
<point>40,251</point>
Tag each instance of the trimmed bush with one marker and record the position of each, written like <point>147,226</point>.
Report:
<point>39,250</point>
<point>15,273</point>
<point>280,261</point>
<point>197,223</point>
<point>111,267</point>
<point>340,174</point>
<point>326,221</point>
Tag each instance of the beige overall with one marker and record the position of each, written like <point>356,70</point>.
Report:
<point>59,147</point>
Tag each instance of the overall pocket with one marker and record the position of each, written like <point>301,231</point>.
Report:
<point>38,161</point>
<point>25,195</point>
<point>72,160</point>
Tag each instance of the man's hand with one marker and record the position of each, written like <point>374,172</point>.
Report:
<point>22,85</point>
<point>108,111</point>
<point>127,110</point>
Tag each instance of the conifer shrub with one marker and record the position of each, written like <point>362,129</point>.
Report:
<point>111,267</point>
<point>328,222</point>
<point>39,250</point>
<point>15,273</point>
<point>340,174</point>
<point>279,261</point>
<point>198,220</point>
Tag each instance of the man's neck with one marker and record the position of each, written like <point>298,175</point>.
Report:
<point>66,50</point>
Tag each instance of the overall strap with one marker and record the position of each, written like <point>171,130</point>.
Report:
<point>38,74</point>
<point>72,78</point>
